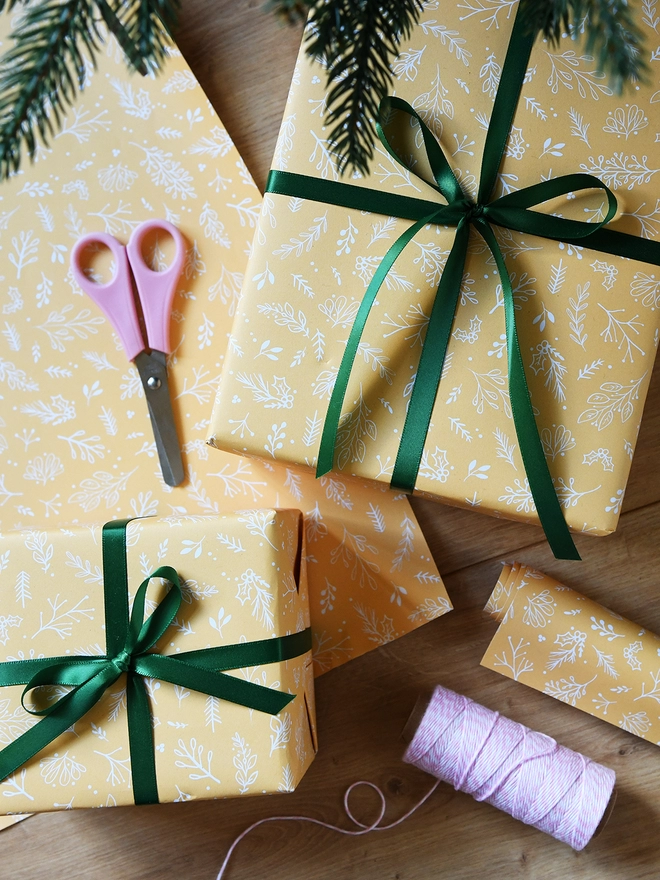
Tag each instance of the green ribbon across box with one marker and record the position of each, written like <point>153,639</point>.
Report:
<point>511,211</point>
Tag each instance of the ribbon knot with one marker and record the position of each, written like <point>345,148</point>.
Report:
<point>123,660</point>
<point>473,211</point>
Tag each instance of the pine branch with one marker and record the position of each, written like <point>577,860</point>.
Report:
<point>41,74</point>
<point>613,37</point>
<point>149,24</point>
<point>357,42</point>
<point>290,11</point>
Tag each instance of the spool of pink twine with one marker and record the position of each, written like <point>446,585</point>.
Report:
<point>524,773</point>
<point>520,771</point>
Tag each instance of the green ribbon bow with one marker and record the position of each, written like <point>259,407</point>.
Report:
<point>128,645</point>
<point>511,211</point>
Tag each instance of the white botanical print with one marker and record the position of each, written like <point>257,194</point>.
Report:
<point>61,769</point>
<point>539,608</point>
<point>515,659</point>
<point>253,589</point>
<point>281,731</point>
<point>585,655</point>
<point>244,762</point>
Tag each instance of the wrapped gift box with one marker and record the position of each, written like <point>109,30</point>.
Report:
<point>588,321</point>
<point>243,580</point>
<point>559,642</point>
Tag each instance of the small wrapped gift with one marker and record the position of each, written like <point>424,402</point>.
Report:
<point>567,646</point>
<point>536,316</point>
<point>204,689</point>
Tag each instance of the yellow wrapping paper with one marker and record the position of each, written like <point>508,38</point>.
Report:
<point>558,642</point>
<point>76,443</point>
<point>588,322</point>
<point>239,572</point>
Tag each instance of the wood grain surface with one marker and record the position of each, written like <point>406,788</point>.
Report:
<point>244,61</point>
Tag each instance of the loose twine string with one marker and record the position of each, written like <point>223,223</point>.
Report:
<point>520,771</point>
<point>362,828</point>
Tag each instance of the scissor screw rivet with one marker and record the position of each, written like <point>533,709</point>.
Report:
<point>154,382</point>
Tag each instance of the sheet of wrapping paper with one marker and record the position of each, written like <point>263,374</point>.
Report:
<point>588,322</point>
<point>76,442</point>
<point>573,649</point>
<point>239,586</point>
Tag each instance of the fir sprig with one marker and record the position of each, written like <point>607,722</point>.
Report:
<point>612,36</point>
<point>357,43</point>
<point>356,40</point>
<point>41,74</point>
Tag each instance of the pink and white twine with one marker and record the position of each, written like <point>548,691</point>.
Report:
<point>520,771</point>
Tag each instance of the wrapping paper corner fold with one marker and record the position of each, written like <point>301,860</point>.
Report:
<point>588,321</point>
<point>243,580</point>
<point>573,649</point>
<point>76,444</point>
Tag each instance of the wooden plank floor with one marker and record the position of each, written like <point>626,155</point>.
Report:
<point>244,61</point>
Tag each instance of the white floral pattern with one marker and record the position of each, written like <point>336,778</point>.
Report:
<point>80,446</point>
<point>603,664</point>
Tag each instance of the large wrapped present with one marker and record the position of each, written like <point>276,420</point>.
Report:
<point>544,328</point>
<point>76,443</point>
<point>203,689</point>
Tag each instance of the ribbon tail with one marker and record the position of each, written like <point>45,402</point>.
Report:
<point>536,467</point>
<point>32,741</point>
<point>333,415</point>
<point>620,244</point>
<point>23,671</point>
<point>217,684</point>
<point>246,654</point>
<point>65,714</point>
<point>141,741</point>
<point>347,195</point>
<point>429,371</point>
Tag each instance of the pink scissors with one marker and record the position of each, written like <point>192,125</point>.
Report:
<point>156,292</point>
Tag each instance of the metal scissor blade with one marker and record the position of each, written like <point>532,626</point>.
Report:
<point>153,373</point>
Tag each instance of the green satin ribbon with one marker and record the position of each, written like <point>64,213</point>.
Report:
<point>511,211</point>
<point>129,644</point>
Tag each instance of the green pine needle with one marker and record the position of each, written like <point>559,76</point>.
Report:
<point>150,24</point>
<point>42,73</point>
<point>357,41</point>
<point>612,36</point>
<point>291,11</point>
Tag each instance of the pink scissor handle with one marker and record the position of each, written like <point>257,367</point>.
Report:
<point>156,289</point>
<point>115,298</point>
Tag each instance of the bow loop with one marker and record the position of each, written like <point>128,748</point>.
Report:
<point>143,634</point>
<point>446,182</point>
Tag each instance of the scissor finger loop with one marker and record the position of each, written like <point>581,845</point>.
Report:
<point>156,289</point>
